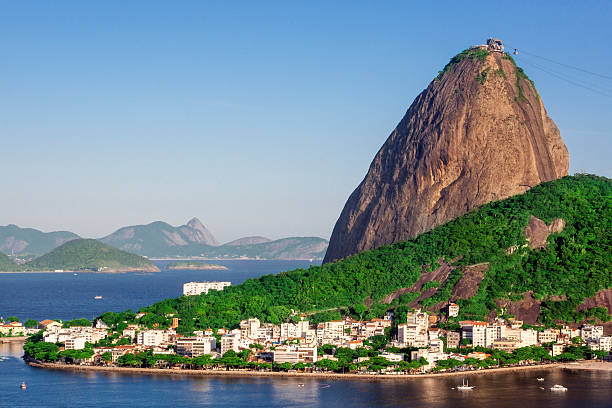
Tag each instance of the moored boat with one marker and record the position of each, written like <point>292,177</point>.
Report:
<point>558,387</point>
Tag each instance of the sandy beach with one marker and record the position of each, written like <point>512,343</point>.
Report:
<point>587,365</point>
<point>246,373</point>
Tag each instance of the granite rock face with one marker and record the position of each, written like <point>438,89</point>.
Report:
<point>478,133</point>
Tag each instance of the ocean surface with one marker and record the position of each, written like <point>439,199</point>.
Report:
<point>64,295</point>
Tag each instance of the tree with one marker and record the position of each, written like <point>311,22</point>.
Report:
<point>11,319</point>
<point>299,366</point>
<point>107,357</point>
<point>31,323</point>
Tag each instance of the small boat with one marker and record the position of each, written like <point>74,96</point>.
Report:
<point>75,274</point>
<point>558,387</point>
<point>300,385</point>
<point>465,386</point>
<point>540,379</point>
<point>23,386</point>
<point>98,297</point>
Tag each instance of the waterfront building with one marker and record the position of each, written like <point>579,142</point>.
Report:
<point>589,331</point>
<point>505,345</point>
<point>475,331</point>
<point>548,336</point>
<point>74,343</point>
<point>197,288</point>
<point>529,337</point>
<point>557,349</point>
<point>195,346</point>
<point>49,325</point>
<point>295,354</point>
<point>230,342</point>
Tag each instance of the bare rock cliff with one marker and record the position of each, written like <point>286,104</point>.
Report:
<point>478,133</point>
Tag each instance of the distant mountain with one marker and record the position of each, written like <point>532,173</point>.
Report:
<point>161,239</point>
<point>90,254</point>
<point>286,248</point>
<point>28,241</point>
<point>6,264</point>
<point>248,241</point>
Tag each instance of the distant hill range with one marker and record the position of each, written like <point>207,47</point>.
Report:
<point>162,240</point>
<point>29,241</point>
<point>90,255</point>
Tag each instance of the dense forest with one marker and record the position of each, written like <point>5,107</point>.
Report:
<point>574,265</point>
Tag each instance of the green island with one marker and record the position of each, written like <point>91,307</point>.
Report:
<point>85,255</point>
<point>573,266</point>
<point>195,266</point>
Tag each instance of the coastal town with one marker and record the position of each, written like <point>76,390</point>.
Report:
<point>422,343</point>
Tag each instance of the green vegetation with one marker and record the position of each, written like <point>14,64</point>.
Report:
<point>520,74</point>
<point>88,254</point>
<point>477,54</point>
<point>482,77</point>
<point>576,263</point>
<point>7,264</point>
<point>194,265</point>
<point>501,73</point>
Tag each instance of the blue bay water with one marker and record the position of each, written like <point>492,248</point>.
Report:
<point>64,295</point>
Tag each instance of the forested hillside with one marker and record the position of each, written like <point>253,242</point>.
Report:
<point>89,254</point>
<point>6,264</point>
<point>573,265</point>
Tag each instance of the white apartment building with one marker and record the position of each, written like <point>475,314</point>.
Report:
<point>74,343</point>
<point>475,331</point>
<point>295,354</point>
<point>196,288</point>
<point>529,337</point>
<point>195,346</point>
<point>230,342</point>
<point>411,335</point>
<point>152,337</point>
<point>453,310</point>
<point>591,332</point>
<point>547,336</point>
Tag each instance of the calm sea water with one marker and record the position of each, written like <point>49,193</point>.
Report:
<point>65,296</point>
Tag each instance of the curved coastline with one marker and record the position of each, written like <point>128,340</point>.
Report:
<point>247,373</point>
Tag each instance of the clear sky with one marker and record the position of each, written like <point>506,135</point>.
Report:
<point>256,117</point>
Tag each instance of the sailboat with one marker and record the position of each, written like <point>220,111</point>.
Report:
<point>465,386</point>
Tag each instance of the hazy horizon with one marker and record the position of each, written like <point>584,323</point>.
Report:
<point>258,119</point>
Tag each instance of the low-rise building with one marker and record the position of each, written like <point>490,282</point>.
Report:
<point>195,346</point>
<point>453,310</point>
<point>295,354</point>
<point>197,288</point>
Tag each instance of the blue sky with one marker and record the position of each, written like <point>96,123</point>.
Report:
<point>256,117</point>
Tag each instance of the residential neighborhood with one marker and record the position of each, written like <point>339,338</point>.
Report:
<point>423,342</point>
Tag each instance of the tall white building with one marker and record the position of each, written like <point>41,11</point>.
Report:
<point>196,288</point>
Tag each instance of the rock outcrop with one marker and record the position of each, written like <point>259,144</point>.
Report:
<point>478,133</point>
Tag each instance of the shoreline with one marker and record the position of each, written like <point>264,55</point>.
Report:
<point>246,373</point>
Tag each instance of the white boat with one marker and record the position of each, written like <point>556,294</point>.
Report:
<point>23,386</point>
<point>98,297</point>
<point>558,387</point>
<point>540,379</point>
<point>465,386</point>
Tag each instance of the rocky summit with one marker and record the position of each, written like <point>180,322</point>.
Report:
<point>478,133</point>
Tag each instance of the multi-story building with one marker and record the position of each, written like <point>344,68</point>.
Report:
<point>197,288</point>
<point>152,337</point>
<point>475,331</point>
<point>230,342</point>
<point>295,354</point>
<point>505,345</point>
<point>74,343</point>
<point>557,349</point>
<point>589,331</point>
<point>195,346</point>
<point>529,337</point>
<point>548,336</point>
<point>453,339</point>
<point>453,310</point>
